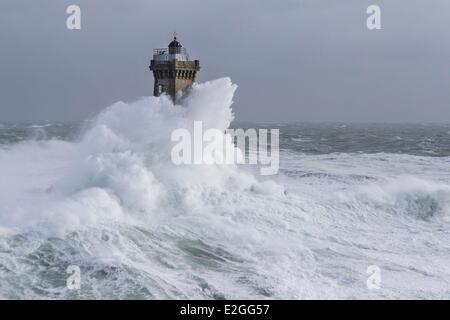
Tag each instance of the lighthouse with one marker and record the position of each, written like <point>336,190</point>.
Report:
<point>174,73</point>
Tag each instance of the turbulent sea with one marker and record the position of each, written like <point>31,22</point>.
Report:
<point>103,195</point>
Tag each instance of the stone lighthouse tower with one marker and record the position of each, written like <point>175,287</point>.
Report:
<point>174,73</point>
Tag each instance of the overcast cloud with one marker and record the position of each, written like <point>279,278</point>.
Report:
<point>293,60</point>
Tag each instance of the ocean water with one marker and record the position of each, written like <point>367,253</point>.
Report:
<point>103,195</point>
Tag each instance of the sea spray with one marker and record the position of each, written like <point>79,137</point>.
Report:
<point>113,204</point>
<point>120,168</point>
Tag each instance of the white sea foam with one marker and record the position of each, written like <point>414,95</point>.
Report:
<point>120,168</point>
<point>113,203</point>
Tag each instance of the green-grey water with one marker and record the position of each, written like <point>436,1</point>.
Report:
<point>104,197</point>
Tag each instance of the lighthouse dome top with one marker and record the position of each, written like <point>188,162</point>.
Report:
<point>175,51</point>
<point>175,43</point>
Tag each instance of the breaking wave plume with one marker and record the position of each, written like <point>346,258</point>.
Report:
<point>138,226</point>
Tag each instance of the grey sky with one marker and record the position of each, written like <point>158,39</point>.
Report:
<point>293,60</point>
